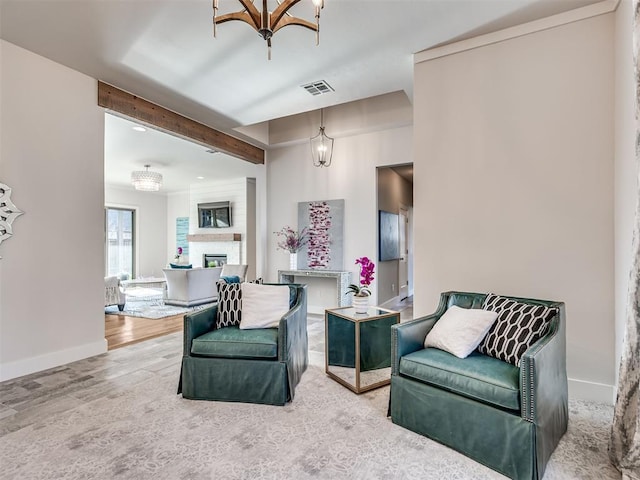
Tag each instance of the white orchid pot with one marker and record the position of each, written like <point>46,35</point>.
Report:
<point>360,304</point>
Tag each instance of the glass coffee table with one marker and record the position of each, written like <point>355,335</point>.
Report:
<point>358,347</point>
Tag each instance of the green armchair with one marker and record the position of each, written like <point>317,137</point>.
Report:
<point>507,417</point>
<point>254,366</point>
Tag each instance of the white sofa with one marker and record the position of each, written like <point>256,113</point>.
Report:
<point>113,293</point>
<point>229,270</point>
<point>187,287</point>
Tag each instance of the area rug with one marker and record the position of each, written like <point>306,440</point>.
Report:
<point>117,416</point>
<point>148,303</point>
<point>140,429</point>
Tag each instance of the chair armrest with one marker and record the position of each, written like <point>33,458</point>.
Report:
<point>543,377</point>
<point>292,330</point>
<point>409,337</point>
<point>196,324</point>
<point>293,342</point>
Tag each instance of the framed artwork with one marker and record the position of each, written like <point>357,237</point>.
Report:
<point>388,236</point>
<point>324,221</point>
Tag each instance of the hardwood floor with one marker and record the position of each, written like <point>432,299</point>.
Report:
<point>121,330</point>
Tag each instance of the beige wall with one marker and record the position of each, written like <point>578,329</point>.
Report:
<point>368,134</point>
<point>514,181</point>
<point>51,271</point>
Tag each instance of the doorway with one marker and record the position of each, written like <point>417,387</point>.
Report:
<point>395,201</point>
<point>403,262</point>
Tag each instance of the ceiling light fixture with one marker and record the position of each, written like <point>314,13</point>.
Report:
<point>146,180</point>
<point>321,146</point>
<point>138,128</point>
<point>267,23</point>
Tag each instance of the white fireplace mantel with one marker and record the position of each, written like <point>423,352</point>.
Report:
<point>228,244</point>
<point>214,237</point>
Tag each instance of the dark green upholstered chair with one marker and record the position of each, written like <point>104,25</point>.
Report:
<point>507,417</point>
<point>253,366</point>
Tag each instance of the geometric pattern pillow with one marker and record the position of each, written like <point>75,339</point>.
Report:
<point>229,304</point>
<point>519,325</point>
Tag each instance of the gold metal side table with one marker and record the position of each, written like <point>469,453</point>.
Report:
<point>358,347</point>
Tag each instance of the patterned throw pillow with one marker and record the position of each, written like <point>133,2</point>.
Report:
<point>229,304</point>
<point>519,325</point>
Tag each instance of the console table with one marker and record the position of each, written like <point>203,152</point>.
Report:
<point>342,279</point>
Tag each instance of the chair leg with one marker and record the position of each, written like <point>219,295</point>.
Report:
<point>121,307</point>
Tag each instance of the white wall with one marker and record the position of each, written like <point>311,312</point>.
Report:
<point>292,178</point>
<point>626,188</point>
<point>51,273</point>
<point>234,191</point>
<point>151,227</point>
<point>184,204</point>
<point>177,206</point>
<point>513,187</point>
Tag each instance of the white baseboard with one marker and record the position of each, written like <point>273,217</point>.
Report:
<point>592,391</point>
<point>19,368</point>
<point>316,310</point>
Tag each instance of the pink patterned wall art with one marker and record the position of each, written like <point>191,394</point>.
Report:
<point>324,220</point>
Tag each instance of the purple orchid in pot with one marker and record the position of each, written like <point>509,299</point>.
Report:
<point>362,292</point>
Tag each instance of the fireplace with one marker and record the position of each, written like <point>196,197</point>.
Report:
<point>213,260</point>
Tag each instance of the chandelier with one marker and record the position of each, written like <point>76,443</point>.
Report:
<point>267,23</point>
<point>321,146</point>
<point>146,180</point>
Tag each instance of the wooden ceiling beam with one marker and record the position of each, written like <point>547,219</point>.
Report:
<point>125,104</point>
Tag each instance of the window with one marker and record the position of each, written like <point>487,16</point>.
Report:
<point>120,241</point>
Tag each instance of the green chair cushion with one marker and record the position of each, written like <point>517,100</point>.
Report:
<point>478,376</point>
<point>231,342</point>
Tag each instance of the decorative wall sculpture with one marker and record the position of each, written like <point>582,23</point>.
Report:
<point>8,212</point>
<point>324,221</point>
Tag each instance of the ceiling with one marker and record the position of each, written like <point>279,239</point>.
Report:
<point>182,163</point>
<point>164,51</point>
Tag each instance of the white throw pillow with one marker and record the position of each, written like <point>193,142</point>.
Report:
<point>459,331</point>
<point>263,305</point>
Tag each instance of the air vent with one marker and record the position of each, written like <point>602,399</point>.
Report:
<point>318,88</point>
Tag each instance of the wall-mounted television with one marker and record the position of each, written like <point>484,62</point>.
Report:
<point>214,215</point>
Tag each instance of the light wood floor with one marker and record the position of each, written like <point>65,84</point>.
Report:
<point>121,330</point>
